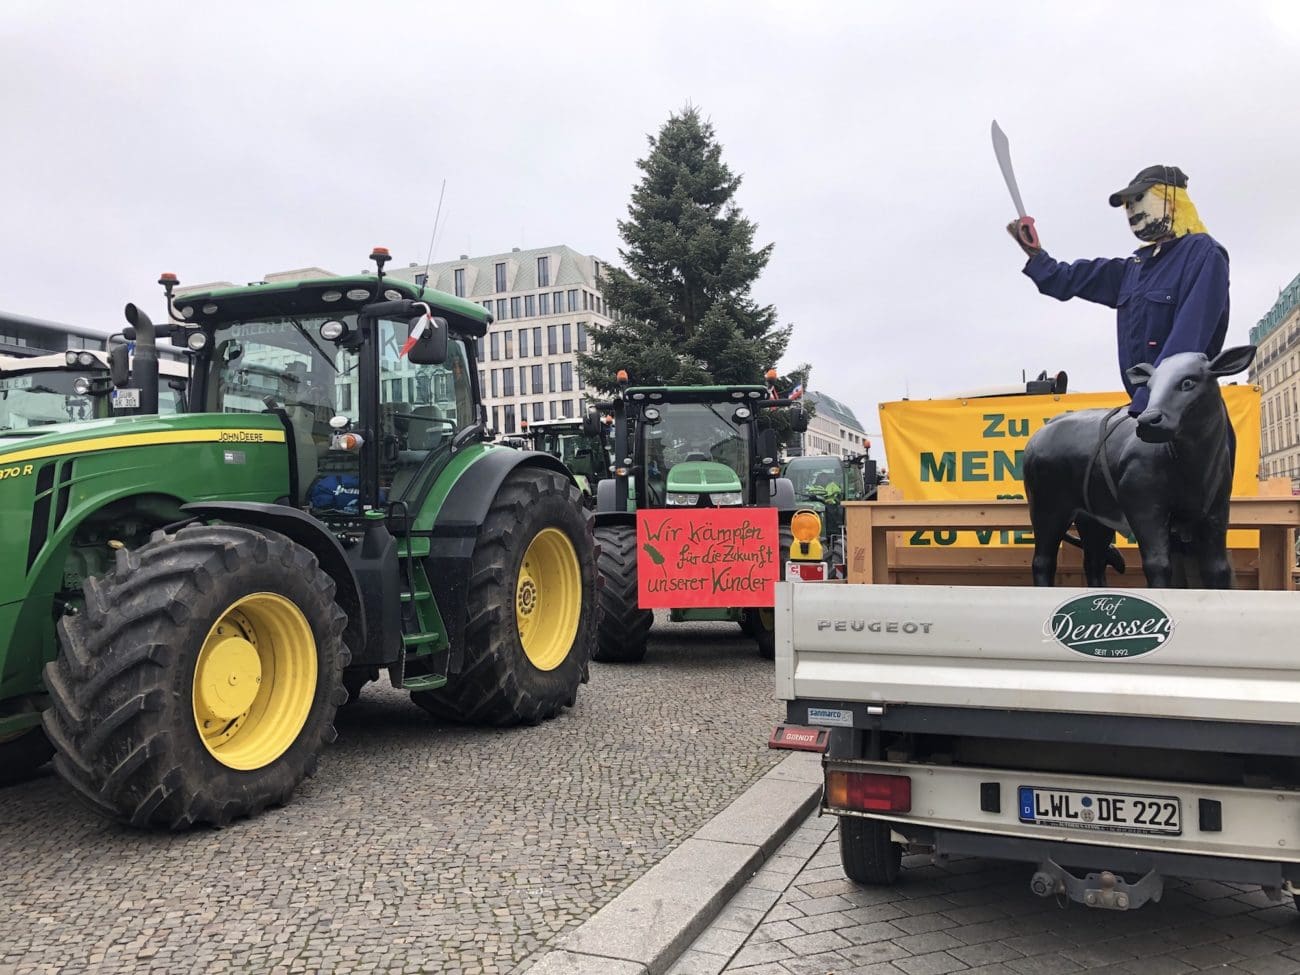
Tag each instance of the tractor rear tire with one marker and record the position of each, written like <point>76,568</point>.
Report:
<point>867,852</point>
<point>533,565</point>
<point>762,622</point>
<point>624,626</point>
<point>160,714</point>
<point>23,754</point>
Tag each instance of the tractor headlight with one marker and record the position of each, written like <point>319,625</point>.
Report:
<point>196,341</point>
<point>679,499</point>
<point>70,358</point>
<point>727,498</point>
<point>85,359</point>
<point>81,386</point>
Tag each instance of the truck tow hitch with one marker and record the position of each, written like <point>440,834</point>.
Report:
<point>1104,890</point>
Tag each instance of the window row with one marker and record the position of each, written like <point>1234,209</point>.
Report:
<point>543,304</point>
<point>559,377</point>
<point>559,339</point>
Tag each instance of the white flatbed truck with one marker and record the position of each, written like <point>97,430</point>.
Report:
<point>1111,738</point>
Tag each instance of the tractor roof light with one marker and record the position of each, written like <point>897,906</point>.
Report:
<point>333,330</point>
<point>70,358</point>
<point>197,341</point>
<point>621,377</point>
<point>85,359</point>
<point>770,375</point>
<point>805,526</point>
<point>81,386</point>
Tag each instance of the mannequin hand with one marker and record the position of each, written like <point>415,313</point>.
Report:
<point>1017,230</point>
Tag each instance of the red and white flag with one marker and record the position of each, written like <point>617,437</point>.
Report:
<point>416,333</point>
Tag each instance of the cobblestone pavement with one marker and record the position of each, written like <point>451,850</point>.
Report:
<point>417,848</point>
<point>800,916</point>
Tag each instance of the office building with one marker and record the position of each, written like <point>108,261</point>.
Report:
<point>1276,371</point>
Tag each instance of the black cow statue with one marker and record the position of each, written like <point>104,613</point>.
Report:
<point>1163,475</point>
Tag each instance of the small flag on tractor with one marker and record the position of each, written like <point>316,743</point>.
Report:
<point>416,333</point>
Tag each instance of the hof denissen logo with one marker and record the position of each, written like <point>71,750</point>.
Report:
<point>1109,626</point>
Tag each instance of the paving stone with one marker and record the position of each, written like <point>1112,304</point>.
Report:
<point>436,848</point>
<point>937,963</point>
<point>807,944</point>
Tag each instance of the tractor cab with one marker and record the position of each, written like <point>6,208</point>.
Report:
<point>69,387</point>
<point>823,483</point>
<point>583,446</point>
<point>695,447</point>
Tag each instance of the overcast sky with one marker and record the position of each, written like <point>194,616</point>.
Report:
<point>224,141</point>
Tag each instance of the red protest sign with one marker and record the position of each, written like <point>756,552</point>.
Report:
<point>721,557</point>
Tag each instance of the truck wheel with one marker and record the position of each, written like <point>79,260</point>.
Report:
<point>762,621</point>
<point>624,626</point>
<point>200,681</point>
<point>532,607</point>
<point>22,753</point>
<point>867,853</point>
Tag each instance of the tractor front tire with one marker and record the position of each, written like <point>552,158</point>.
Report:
<point>867,852</point>
<point>531,607</point>
<point>624,626</point>
<point>200,681</point>
<point>22,754</point>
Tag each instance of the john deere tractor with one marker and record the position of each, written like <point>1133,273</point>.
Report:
<point>188,599</point>
<point>708,447</point>
<point>581,445</point>
<point>822,484</point>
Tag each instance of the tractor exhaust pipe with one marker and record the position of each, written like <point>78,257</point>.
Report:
<point>146,359</point>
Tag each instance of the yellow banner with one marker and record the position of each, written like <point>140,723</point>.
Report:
<point>973,449</point>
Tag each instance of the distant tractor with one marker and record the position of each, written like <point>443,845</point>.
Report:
<point>823,484</point>
<point>703,447</point>
<point>187,600</point>
<point>583,446</point>
<point>68,387</point>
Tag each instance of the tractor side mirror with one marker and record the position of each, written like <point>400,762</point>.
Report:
<point>799,419</point>
<point>430,347</point>
<point>119,365</point>
<point>769,450</point>
<point>591,425</point>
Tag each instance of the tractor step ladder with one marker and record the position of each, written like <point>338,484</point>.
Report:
<point>422,632</point>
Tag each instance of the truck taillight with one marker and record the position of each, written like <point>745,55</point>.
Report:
<point>868,791</point>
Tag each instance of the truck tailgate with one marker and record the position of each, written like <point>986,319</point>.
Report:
<point>1229,655</point>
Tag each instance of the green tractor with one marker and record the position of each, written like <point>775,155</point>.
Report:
<point>685,447</point>
<point>822,484</point>
<point>187,600</point>
<point>67,387</point>
<point>581,445</point>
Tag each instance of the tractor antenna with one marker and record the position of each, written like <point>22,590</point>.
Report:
<point>433,236</point>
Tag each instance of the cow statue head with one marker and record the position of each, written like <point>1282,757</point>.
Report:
<point>1183,389</point>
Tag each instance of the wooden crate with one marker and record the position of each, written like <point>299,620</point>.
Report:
<point>876,553</point>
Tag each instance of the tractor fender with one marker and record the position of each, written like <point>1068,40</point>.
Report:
<point>456,529</point>
<point>311,535</point>
<point>783,494</point>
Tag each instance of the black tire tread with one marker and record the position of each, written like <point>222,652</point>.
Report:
<point>624,627</point>
<point>109,688</point>
<point>867,853</point>
<point>489,690</point>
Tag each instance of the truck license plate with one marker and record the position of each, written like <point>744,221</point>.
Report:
<point>1110,812</point>
<point>805,572</point>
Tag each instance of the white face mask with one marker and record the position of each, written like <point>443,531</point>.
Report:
<point>1149,217</point>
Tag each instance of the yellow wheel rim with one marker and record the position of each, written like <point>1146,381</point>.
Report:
<point>254,681</point>
<point>548,599</point>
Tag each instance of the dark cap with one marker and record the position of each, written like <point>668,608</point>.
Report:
<point>1149,177</point>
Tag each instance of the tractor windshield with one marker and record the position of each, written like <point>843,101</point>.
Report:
<point>813,476</point>
<point>689,432</point>
<point>37,399</point>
